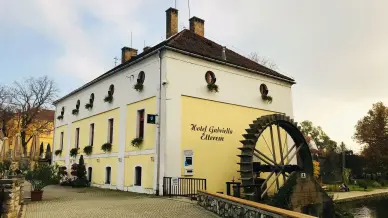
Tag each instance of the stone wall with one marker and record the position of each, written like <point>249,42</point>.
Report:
<point>13,197</point>
<point>228,206</point>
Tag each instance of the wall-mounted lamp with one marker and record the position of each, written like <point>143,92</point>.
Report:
<point>120,159</point>
<point>152,159</point>
<point>98,160</point>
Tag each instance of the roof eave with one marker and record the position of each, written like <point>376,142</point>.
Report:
<point>292,82</point>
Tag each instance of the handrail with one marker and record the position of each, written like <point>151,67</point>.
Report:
<point>264,207</point>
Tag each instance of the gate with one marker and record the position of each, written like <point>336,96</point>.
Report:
<point>187,187</point>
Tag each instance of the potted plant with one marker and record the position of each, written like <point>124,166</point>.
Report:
<point>88,150</point>
<point>138,87</point>
<point>75,111</point>
<point>267,98</point>
<point>74,152</point>
<point>40,176</point>
<point>58,152</point>
<point>60,117</point>
<point>212,87</point>
<point>107,147</point>
<point>89,106</point>
<point>136,142</point>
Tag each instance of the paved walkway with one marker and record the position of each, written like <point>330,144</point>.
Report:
<point>66,202</point>
<point>354,195</point>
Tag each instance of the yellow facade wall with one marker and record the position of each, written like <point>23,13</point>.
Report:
<point>57,141</point>
<point>100,131</point>
<point>217,160</point>
<point>98,169</point>
<point>149,106</point>
<point>147,165</point>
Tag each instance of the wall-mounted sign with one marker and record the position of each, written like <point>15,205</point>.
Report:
<point>174,181</point>
<point>211,132</point>
<point>151,118</point>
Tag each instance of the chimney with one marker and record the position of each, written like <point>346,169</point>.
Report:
<point>171,22</point>
<point>127,54</point>
<point>146,48</point>
<point>197,25</point>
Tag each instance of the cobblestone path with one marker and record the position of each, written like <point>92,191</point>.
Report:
<point>65,202</point>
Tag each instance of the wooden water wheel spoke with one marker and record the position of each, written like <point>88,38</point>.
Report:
<point>289,151</point>
<point>273,153</point>
<point>262,159</point>
<point>269,149</point>
<point>264,156</point>
<point>281,150</point>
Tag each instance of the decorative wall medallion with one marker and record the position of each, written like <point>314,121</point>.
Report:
<point>139,82</point>
<point>264,93</point>
<point>210,78</point>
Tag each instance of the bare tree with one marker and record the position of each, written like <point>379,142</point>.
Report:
<point>29,98</point>
<point>263,61</point>
<point>6,109</point>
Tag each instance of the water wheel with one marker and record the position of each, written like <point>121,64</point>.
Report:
<point>273,148</point>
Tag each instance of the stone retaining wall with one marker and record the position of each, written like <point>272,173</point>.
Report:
<point>13,197</point>
<point>228,206</point>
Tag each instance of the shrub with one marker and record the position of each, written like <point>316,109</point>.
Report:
<point>362,184</point>
<point>267,98</point>
<point>41,176</point>
<point>376,184</point>
<point>333,187</point>
<point>75,111</point>
<point>107,147</point>
<point>81,180</point>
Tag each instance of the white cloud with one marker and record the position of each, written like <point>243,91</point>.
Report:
<point>336,50</point>
<point>82,50</point>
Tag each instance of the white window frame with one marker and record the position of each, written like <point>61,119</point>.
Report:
<point>134,175</point>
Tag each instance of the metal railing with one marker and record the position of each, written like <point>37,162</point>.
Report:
<point>187,187</point>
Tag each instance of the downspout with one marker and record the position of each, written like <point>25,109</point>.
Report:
<point>158,125</point>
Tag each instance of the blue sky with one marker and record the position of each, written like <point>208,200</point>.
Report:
<point>336,50</point>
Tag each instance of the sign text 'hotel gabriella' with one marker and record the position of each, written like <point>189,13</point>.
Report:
<point>211,132</point>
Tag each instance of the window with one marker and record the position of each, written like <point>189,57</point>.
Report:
<point>138,176</point>
<point>107,175</point>
<point>91,135</point>
<point>77,137</point>
<point>90,170</point>
<point>140,118</point>
<point>110,130</point>
<point>61,141</point>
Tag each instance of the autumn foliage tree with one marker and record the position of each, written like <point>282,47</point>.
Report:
<point>321,139</point>
<point>372,132</point>
<point>21,104</point>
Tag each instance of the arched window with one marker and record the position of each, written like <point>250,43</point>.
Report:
<point>90,170</point>
<point>107,175</point>
<point>138,176</point>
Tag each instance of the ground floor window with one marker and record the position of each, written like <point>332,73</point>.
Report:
<point>90,174</point>
<point>107,175</point>
<point>138,176</point>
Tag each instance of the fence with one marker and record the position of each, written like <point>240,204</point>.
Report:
<point>187,187</point>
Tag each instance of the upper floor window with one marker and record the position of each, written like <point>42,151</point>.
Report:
<point>61,141</point>
<point>110,130</point>
<point>91,134</point>
<point>77,137</point>
<point>140,118</point>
